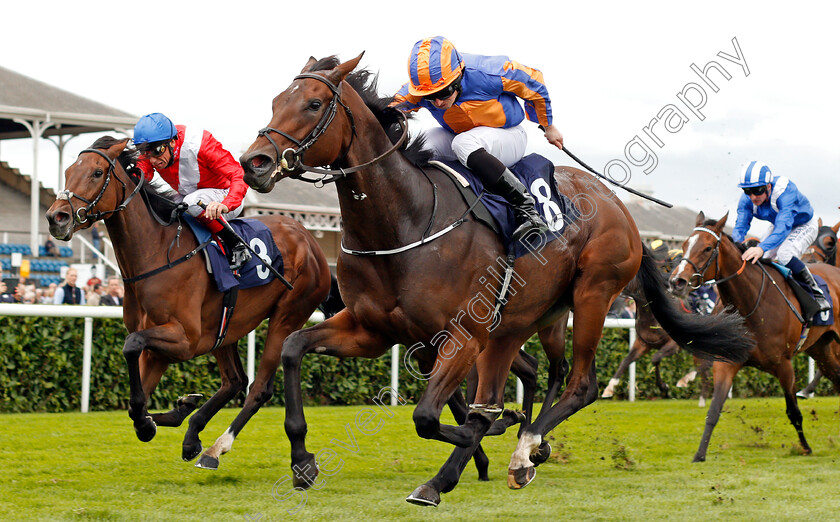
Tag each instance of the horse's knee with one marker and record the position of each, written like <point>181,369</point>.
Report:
<point>426,424</point>
<point>292,350</point>
<point>133,347</point>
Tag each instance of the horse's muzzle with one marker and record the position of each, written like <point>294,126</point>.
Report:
<point>61,222</point>
<point>259,171</point>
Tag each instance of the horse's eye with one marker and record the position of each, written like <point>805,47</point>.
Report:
<point>98,173</point>
<point>707,249</point>
<point>314,105</point>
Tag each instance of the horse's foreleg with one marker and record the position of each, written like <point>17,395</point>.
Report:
<point>784,372</point>
<point>724,373</point>
<point>459,409</point>
<point>338,336</point>
<point>234,381</point>
<point>165,339</point>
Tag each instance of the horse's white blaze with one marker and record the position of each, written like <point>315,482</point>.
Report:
<point>692,241</point>
<point>687,378</point>
<point>609,391</point>
<point>528,444</point>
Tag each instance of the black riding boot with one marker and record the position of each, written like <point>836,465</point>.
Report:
<point>500,180</point>
<point>237,252</point>
<point>509,187</point>
<point>806,277</point>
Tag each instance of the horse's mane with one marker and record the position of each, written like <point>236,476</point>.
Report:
<point>159,200</point>
<point>366,83</point>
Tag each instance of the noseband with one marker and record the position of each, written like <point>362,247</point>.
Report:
<point>82,215</point>
<point>696,280</point>
<point>290,159</point>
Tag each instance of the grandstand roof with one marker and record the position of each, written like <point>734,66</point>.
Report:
<point>22,97</point>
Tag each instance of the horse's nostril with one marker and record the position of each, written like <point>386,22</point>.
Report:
<point>257,162</point>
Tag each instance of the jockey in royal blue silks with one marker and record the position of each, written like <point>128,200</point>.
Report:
<point>793,225</point>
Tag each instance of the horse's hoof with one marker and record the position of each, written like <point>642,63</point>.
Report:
<point>305,474</point>
<point>424,495</point>
<point>207,462</point>
<point>801,394</point>
<point>519,478</point>
<point>607,394</point>
<point>147,430</point>
<point>542,454</point>
<point>699,458</point>
<point>190,401</point>
<point>190,452</point>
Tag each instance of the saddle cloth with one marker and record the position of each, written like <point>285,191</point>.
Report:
<point>251,274</point>
<point>825,318</point>
<point>537,174</point>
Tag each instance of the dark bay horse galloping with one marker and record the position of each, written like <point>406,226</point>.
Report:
<point>428,288</point>
<point>175,315</point>
<point>711,255</point>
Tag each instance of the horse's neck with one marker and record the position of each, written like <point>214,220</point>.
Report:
<point>385,203</point>
<point>742,291</point>
<point>139,241</point>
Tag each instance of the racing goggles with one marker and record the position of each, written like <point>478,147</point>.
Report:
<point>154,150</point>
<point>755,191</point>
<point>444,93</point>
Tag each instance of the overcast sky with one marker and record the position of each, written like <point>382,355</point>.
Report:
<point>611,68</point>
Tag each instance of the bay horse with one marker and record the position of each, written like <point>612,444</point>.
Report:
<point>174,314</point>
<point>427,290</point>
<point>822,250</point>
<point>650,337</point>
<point>710,254</point>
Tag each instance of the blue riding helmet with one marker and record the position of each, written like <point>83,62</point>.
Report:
<point>153,128</point>
<point>755,174</point>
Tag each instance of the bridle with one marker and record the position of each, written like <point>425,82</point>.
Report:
<point>290,159</point>
<point>828,255</point>
<point>82,214</point>
<point>698,275</point>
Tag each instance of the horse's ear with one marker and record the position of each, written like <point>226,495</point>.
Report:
<point>116,149</point>
<point>721,222</point>
<point>836,227</point>
<point>701,218</point>
<point>346,68</point>
<point>309,64</point>
<point>819,222</point>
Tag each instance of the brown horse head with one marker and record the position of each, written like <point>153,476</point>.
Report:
<point>314,128</point>
<point>700,259</point>
<point>91,189</point>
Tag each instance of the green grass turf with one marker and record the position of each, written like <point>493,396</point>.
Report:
<point>611,461</point>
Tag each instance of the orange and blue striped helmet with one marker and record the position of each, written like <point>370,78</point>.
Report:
<point>434,63</point>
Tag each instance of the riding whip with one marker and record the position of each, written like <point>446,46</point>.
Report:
<point>617,184</point>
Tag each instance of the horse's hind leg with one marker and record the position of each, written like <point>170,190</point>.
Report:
<point>638,349</point>
<point>284,320</point>
<point>724,373</point>
<point>670,348</point>
<point>234,381</point>
<point>806,392</point>
<point>524,367</point>
<point>553,339</point>
<point>458,407</point>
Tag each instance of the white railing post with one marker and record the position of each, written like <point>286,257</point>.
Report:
<point>252,349</point>
<point>520,389</point>
<point>395,373</point>
<point>810,373</point>
<point>631,377</point>
<point>86,356</point>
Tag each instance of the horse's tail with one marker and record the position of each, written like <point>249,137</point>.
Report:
<point>717,336</point>
<point>333,303</point>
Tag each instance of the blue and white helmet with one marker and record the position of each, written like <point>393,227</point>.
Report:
<point>755,174</point>
<point>153,128</point>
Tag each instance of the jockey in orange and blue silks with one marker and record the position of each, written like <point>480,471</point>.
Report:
<point>793,225</point>
<point>476,101</point>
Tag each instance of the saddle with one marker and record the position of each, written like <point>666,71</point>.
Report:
<point>537,174</point>
<point>806,299</point>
